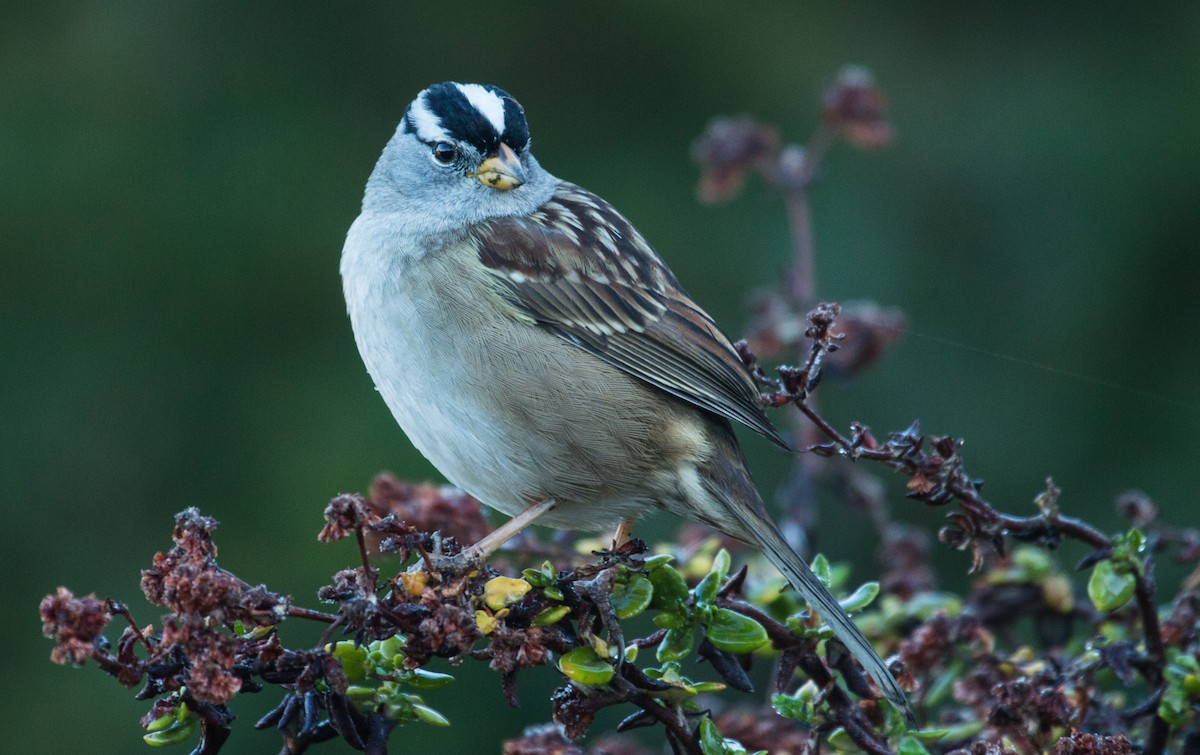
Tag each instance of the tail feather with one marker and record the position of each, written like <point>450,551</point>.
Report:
<point>801,577</point>
<point>735,506</point>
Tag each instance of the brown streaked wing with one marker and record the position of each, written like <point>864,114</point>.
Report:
<point>605,290</point>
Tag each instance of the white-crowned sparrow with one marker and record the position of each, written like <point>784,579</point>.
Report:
<point>538,352</point>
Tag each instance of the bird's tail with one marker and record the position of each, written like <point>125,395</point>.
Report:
<point>766,535</point>
<point>744,516</point>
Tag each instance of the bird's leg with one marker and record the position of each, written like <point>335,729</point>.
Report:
<point>510,529</point>
<point>621,536</point>
<point>475,554</point>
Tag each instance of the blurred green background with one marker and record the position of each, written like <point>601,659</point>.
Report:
<point>176,180</point>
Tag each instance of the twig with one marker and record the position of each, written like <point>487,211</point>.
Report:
<point>941,478</point>
<point>671,718</point>
<point>308,613</point>
<point>843,711</point>
<point>123,610</point>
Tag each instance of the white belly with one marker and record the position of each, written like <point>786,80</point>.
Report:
<point>481,396</point>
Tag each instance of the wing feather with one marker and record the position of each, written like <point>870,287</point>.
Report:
<point>581,270</point>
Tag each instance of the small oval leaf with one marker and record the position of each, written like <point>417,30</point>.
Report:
<point>735,633</point>
<point>353,659</point>
<point>711,741</point>
<point>654,562</point>
<point>550,616</point>
<point>860,598</point>
<point>677,645</point>
<point>583,666</point>
<point>632,597</point>
<point>707,589</point>
<point>820,567</point>
<point>670,589</point>
<point>423,679</point>
<point>430,716</point>
<point>1108,589</point>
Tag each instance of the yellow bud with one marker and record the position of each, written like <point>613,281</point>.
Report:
<point>485,622</point>
<point>504,591</point>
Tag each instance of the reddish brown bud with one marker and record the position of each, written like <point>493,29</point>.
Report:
<point>1137,507</point>
<point>853,106</point>
<point>343,515</point>
<point>727,150</point>
<point>74,624</point>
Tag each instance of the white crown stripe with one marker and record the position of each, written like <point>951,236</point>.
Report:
<point>429,126</point>
<point>487,103</point>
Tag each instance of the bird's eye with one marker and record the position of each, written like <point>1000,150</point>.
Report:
<point>444,152</point>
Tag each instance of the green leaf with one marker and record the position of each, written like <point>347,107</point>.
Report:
<point>721,563</point>
<point>1191,685</point>
<point>1188,663</point>
<point>860,598</point>
<point>925,604</point>
<point>353,659</point>
<point>911,746</point>
<point>549,616</point>
<point>430,716</point>
<point>1033,563</point>
<point>400,711</point>
<point>707,589</point>
<point>956,733</point>
<point>429,679</point>
<point>1131,544</point>
<point>179,731</point>
<point>820,567</point>
<point>1108,588</point>
<point>390,650</point>
<point>174,718</point>
<point>735,633</point>
<point>943,684</point>
<point>838,575</point>
<point>672,620</point>
<point>658,561</point>
<point>677,644</point>
<point>841,741</point>
<point>160,723</point>
<point>1174,708</point>
<point>583,666</point>
<point>798,708</point>
<point>542,576</point>
<point>670,590</point>
<point>632,597</point>
<point>533,577</point>
<point>361,695</point>
<point>712,743</point>
<point>797,624</point>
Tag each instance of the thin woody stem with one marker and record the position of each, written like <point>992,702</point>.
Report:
<point>801,288</point>
<point>669,717</point>
<point>802,283</point>
<point>307,613</point>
